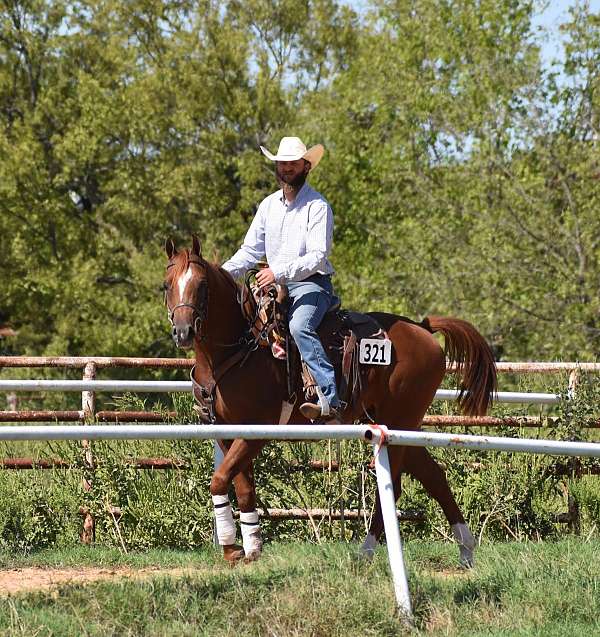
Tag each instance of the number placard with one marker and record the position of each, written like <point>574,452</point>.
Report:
<point>375,351</point>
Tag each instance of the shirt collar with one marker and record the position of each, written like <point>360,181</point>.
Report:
<point>301,193</point>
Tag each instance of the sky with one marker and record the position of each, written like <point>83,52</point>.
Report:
<point>557,11</point>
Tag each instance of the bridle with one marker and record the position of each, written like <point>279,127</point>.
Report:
<point>201,309</point>
<point>249,341</point>
<point>203,389</point>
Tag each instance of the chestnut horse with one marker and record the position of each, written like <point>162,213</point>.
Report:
<point>205,313</point>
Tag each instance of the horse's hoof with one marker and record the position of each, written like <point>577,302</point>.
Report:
<point>365,555</point>
<point>366,552</point>
<point>466,544</point>
<point>233,553</point>
<point>466,557</point>
<point>252,556</point>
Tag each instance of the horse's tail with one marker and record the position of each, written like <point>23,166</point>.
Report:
<point>473,360</point>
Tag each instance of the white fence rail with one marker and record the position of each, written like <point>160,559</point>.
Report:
<point>186,386</point>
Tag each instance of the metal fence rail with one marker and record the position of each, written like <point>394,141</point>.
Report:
<point>102,362</point>
<point>175,386</point>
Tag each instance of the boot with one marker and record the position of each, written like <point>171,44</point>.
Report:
<point>312,411</point>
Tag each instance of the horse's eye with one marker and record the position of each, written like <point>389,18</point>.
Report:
<point>165,286</point>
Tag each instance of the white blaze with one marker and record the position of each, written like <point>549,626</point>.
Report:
<point>182,283</point>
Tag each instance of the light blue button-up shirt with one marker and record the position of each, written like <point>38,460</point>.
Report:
<point>295,237</point>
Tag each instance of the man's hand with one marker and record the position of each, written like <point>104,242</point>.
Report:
<point>265,277</point>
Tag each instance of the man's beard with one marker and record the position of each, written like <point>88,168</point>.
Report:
<point>295,184</point>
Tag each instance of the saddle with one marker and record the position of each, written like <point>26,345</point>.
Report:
<point>340,332</point>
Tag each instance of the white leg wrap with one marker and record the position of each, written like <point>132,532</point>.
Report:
<point>367,550</point>
<point>466,543</point>
<point>224,520</point>
<point>251,537</point>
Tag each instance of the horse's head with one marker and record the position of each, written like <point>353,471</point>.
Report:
<point>186,292</point>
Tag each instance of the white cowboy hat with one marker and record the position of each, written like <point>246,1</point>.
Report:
<point>292,148</point>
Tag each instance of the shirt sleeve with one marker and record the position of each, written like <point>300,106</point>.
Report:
<point>319,239</point>
<point>252,249</point>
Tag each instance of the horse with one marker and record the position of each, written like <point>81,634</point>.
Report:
<point>205,312</point>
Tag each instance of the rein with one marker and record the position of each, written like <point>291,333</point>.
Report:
<point>257,326</point>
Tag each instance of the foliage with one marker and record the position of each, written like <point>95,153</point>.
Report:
<point>36,514</point>
<point>579,407</point>
<point>462,170</point>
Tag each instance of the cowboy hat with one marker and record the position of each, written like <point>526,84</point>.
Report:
<point>292,148</point>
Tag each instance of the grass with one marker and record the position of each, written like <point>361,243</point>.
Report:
<point>318,590</point>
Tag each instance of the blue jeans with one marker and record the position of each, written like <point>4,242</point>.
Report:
<point>310,300</point>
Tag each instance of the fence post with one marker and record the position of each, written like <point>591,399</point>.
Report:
<point>573,383</point>
<point>387,499</point>
<point>572,504</point>
<point>338,455</point>
<point>12,401</point>
<point>88,408</point>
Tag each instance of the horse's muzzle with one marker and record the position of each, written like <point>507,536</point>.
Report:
<point>183,336</point>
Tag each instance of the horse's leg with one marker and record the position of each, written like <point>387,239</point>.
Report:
<point>238,457</point>
<point>224,523</point>
<point>245,492</point>
<point>368,547</point>
<point>421,465</point>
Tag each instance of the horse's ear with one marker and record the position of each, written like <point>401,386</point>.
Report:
<point>196,247</point>
<point>170,248</point>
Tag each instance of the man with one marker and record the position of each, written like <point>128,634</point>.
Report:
<point>293,227</point>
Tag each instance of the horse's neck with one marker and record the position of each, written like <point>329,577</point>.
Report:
<point>224,323</point>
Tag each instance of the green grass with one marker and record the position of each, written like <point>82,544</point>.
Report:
<point>303,589</point>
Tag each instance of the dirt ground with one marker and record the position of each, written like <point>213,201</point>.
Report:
<point>23,580</point>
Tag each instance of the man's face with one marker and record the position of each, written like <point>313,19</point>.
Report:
<point>293,173</point>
